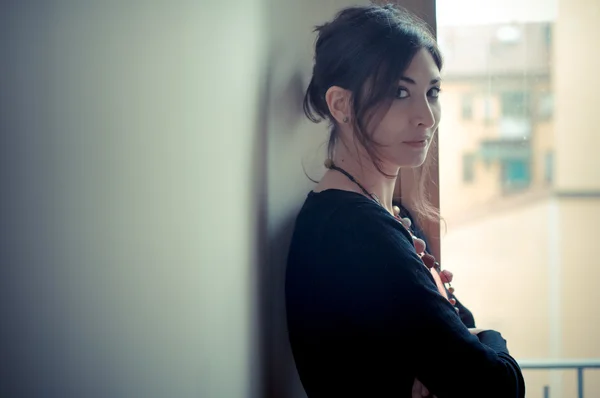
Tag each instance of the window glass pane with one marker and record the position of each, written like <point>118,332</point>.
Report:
<point>515,104</point>
<point>467,107</point>
<point>468,167</point>
<point>520,175</point>
<point>549,167</point>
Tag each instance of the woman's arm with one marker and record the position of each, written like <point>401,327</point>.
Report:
<point>432,333</point>
<point>466,316</point>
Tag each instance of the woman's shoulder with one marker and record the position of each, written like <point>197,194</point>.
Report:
<point>344,233</point>
<point>347,236</point>
<point>346,215</point>
<point>335,206</point>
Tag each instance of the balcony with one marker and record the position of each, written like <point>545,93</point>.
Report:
<point>561,364</point>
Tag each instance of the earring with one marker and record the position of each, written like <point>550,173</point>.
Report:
<point>345,120</point>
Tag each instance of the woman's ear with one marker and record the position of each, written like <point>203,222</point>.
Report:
<point>338,101</point>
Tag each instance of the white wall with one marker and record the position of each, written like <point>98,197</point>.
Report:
<point>129,147</point>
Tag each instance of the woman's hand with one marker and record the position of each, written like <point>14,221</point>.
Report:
<point>420,391</point>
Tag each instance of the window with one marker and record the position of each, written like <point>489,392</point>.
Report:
<point>467,107</point>
<point>545,106</point>
<point>515,174</point>
<point>468,167</point>
<point>548,35</point>
<point>521,226</point>
<point>516,118</point>
<point>549,167</point>
<point>515,104</point>
<point>488,109</point>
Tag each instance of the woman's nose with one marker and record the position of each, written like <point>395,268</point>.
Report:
<point>423,114</point>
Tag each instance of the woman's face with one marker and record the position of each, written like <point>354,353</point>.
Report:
<point>405,132</point>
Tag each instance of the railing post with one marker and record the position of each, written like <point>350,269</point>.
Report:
<point>546,391</point>
<point>578,364</point>
<point>580,382</point>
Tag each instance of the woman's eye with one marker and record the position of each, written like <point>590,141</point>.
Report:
<point>402,93</point>
<point>434,92</point>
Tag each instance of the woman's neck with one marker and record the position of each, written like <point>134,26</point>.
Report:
<point>365,173</point>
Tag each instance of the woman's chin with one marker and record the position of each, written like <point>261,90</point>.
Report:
<point>411,162</point>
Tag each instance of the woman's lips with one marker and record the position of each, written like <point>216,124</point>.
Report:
<point>416,144</point>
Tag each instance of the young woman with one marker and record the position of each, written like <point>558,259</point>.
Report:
<point>368,312</point>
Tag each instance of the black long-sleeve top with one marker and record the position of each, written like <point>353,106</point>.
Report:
<point>365,317</point>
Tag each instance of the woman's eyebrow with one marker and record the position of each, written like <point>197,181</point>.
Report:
<point>411,81</point>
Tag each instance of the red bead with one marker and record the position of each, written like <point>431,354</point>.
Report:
<point>428,260</point>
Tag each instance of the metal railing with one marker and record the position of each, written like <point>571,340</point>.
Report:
<point>578,364</point>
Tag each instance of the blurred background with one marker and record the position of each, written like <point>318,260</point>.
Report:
<point>153,158</point>
<point>518,143</point>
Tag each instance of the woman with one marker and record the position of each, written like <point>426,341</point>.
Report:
<point>368,311</point>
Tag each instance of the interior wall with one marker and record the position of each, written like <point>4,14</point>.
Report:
<point>128,165</point>
<point>294,146</point>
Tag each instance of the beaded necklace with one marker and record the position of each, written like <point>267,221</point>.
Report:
<point>420,246</point>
